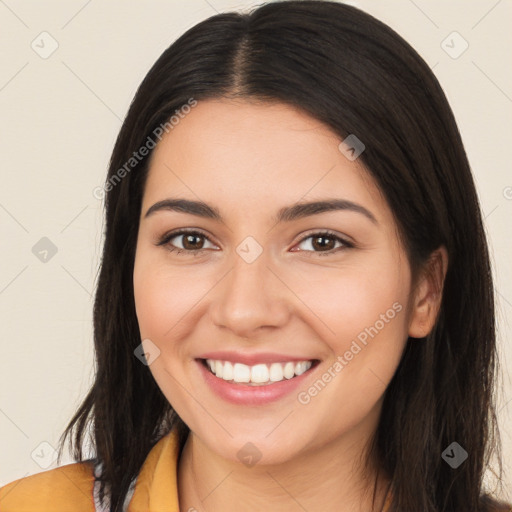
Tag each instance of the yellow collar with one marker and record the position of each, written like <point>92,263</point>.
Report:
<point>71,487</point>
<point>156,487</point>
<point>157,484</point>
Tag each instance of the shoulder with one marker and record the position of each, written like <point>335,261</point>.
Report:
<point>65,488</point>
<point>491,504</point>
<point>499,507</point>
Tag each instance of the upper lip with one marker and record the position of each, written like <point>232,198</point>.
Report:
<point>254,358</point>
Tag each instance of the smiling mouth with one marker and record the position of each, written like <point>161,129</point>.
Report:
<point>258,374</point>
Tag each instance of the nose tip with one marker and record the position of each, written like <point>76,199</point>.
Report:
<point>250,299</point>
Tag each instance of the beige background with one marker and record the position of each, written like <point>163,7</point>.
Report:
<point>59,118</point>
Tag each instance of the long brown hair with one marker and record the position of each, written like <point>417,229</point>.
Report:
<point>356,75</point>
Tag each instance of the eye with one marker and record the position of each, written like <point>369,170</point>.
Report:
<point>318,240</point>
<point>191,241</point>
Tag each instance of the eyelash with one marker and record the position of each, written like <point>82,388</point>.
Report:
<point>326,233</point>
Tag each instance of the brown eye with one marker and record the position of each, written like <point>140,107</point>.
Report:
<point>325,242</point>
<point>190,241</point>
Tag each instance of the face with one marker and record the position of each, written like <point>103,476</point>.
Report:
<point>265,292</point>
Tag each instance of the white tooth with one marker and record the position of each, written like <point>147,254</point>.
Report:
<point>227,372</point>
<point>218,369</point>
<point>300,368</point>
<point>259,373</point>
<point>289,370</point>
<point>276,372</point>
<point>241,372</point>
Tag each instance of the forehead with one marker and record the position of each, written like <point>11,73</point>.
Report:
<point>255,155</point>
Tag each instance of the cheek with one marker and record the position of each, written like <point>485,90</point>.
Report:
<point>362,312</point>
<point>165,297</point>
<point>365,310</point>
<point>164,294</point>
<point>353,298</point>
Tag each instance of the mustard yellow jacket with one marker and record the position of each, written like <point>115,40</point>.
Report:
<point>71,488</point>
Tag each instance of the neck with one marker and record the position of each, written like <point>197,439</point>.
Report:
<point>327,479</point>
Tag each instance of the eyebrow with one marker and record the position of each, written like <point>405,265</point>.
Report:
<point>285,214</point>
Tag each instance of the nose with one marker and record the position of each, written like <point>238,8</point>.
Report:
<point>250,299</point>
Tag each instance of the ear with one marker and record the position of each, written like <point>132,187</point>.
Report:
<point>428,294</point>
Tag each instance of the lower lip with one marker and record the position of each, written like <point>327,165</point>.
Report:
<point>242,394</point>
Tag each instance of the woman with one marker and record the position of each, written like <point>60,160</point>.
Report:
<point>295,304</point>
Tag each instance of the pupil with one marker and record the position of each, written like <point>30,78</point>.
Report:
<point>328,245</point>
<point>188,238</point>
<point>189,241</point>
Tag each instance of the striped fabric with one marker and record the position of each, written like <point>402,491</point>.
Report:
<point>104,506</point>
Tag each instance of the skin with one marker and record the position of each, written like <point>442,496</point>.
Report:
<point>249,159</point>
